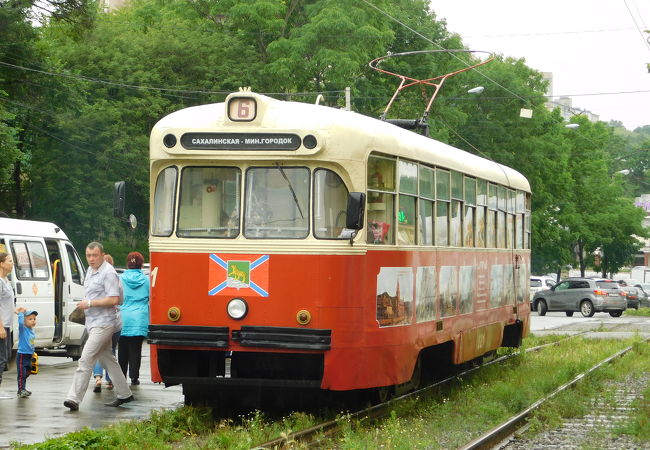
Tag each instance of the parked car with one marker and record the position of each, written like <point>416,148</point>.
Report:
<point>625,283</point>
<point>540,283</point>
<point>644,297</point>
<point>587,295</point>
<point>633,296</point>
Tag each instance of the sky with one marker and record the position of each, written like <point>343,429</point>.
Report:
<point>597,50</point>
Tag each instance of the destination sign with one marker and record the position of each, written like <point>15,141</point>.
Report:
<point>240,141</point>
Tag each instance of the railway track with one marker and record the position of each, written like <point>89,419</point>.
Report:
<point>499,436</point>
<point>604,417</point>
<point>312,435</point>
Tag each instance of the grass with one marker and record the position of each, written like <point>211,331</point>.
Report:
<point>186,427</point>
<point>445,419</point>
<point>490,397</point>
<point>644,312</point>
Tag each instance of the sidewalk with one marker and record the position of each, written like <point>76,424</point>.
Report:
<point>43,415</point>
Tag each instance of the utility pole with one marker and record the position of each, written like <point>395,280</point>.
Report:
<point>348,105</point>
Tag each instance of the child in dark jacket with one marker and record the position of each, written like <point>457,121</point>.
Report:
<point>26,324</point>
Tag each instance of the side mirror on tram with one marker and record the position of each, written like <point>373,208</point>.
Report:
<point>119,198</point>
<point>355,210</point>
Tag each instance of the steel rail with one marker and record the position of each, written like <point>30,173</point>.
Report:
<point>510,426</point>
<point>329,428</point>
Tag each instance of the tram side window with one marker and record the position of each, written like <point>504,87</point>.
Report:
<point>442,207</point>
<point>511,239</point>
<point>456,219</point>
<point>330,205</point>
<point>209,202</point>
<point>426,209</point>
<point>381,200</point>
<point>30,261</point>
<point>491,222</point>
<point>481,208</point>
<point>163,202</point>
<point>468,219</point>
<point>527,222</point>
<point>501,217</point>
<point>277,203</point>
<point>520,210</point>
<point>406,215</point>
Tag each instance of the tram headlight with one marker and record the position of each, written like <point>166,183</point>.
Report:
<point>237,308</point>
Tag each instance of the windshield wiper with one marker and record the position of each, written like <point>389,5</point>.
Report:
<point>295,198</point>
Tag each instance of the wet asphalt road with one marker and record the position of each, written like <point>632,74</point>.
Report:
<point>43,415</point>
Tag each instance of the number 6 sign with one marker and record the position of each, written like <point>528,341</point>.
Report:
<point>242,109</point>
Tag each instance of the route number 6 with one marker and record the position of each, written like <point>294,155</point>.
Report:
<point>242,109</point>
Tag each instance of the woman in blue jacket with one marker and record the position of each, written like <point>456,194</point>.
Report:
<point>135,316</point>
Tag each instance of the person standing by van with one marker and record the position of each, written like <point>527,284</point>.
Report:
<point>6,311</point>
<point>135,316</point>
<point>102,298</point>
<point>98,370</point>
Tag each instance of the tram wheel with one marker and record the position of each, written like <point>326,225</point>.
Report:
<point>381,394</point>
<point>416,379</point>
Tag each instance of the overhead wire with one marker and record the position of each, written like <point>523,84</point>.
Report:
<point>549,33</point>
<point>151,88</point>
<point>645,40</point>
<point>442,48</point>
<point>42,130</point>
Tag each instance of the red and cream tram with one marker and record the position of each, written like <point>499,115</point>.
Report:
<point>302,246</point>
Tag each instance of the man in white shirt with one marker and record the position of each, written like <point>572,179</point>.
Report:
<point>102,320</point>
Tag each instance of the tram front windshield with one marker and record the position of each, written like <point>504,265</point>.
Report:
<point>276,203</point>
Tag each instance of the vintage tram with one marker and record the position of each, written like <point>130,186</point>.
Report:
<point>303,247</point>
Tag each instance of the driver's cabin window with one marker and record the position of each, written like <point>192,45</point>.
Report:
<point>330,205</point>
<point>209,202</point>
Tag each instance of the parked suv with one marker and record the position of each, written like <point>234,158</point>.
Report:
<point>587,295</point>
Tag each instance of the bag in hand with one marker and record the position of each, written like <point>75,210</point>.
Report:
<point>78,316</point>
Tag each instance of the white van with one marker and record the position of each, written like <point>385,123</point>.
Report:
<point>540,283</point>
<point>48,277</point>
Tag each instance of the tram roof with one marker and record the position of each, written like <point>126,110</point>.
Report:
<point>19,227</point>
<point>371,135</point>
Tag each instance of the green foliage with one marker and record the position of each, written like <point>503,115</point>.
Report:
<point>80,94</point>
<point>161,428</point>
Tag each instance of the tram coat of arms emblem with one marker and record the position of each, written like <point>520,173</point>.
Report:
<point>232,274</point>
